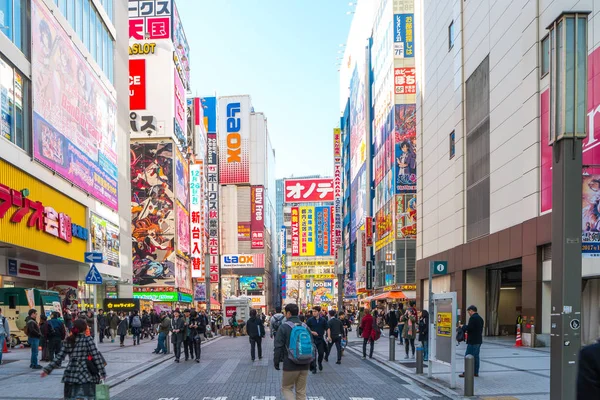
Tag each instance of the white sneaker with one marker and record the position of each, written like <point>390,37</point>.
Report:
<point>406,357</point>
<point>413,356</point>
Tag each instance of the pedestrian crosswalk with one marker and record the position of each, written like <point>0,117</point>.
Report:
<point>276,398</point>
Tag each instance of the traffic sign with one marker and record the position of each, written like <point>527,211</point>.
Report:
<point>92,257</point>
<point>93,277</point>
<point>440,267</point>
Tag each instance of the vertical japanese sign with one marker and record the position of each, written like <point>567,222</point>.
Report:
<point>212,177</point>
<point>404,36</point>
<point>337,190</point>
<point>322,231</point>
<point>180,107</point>
<point>196,220</point>
<point>150,19</point>
<point>405,81</point>
<point>257,221</point>
<point>369,231</point>
<point>295,225</point>
<point>307,231</point>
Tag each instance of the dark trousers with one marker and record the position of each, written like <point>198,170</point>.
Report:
<point>197,348</point>
<point>54,346</point>
<point>338,345</point>
<point>321,348</point>
<point>255,342</point>
<point>473,349</point>
<point>400,329</point>
<point>101,331</point>
<point>176,341</point>
<point>393,331</point>
<point>188,347</point>
<point>371,343</point>
<point>408,342</point>
<point>122,338</point>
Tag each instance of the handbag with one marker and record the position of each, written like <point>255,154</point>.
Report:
<point>91,366</point>
<point>199,338</point>
<point>102,391</point>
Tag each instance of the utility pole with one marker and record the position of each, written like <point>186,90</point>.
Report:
<point>568,126</point>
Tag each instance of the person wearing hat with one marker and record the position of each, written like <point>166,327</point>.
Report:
<point>188,339</point>
<point>178,328</point>
<point>475,330</point>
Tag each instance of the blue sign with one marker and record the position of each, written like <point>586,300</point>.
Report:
<point>92,257</point>
<point>93,277</point>
<point>12,267</point>
<point>440,267</point>
<point>404,38</point>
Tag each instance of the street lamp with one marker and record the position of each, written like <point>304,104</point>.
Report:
<point>568,107</point>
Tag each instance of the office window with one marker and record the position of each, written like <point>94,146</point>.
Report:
<point>71,12</point>
<point>92,47</point>
<point>104,50</point>
<point>13,23</point>
<point>79,18</point>
<point>451,36</point>
<point>545,55</point>
<point>15,106</point>
<point>111,61</point>
<point>452,141</point>
<point>99,40</point>
<point>86,24</point>
<point>62,6</point>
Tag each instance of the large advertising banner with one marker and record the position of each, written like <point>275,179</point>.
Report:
<point>180,108</point>
<point>257,221</point>
<point>182,49</point>
<point>358,200</point>
<point>197,217</point>
<point>152,214</point>
<point>337,190</point>
<point>251,283</point>
<point>404,46</point>
<point>74,115</point>
<point>590,216</point>
<point>212,177</point>
<point>234,140</point>
<point>295,228</point>
<point>309,190</point>
<point>181,179</point>
<point>182,274</point>
<point>406,216</point>
<point>183,231</point>
<point>358,146</point>
<point>323,231</point>
<point>406,148</point>
<point>307,231</point>
<point>105,239</point>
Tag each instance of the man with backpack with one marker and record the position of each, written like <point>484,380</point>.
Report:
<point>318,326</point>
<point>56,333</point>
<point>276,321</point>
<point>294,346</point>
<point>136,327</point>
<point>4,332</point>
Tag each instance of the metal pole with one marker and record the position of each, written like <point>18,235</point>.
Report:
<point>431,318</point>
<point>532,335</point>
<point>419,360</point>
<point>95,324</point>
<point>469,375</point>
<point>392,350</point>
<point>565,341</point>
<point>340,292</point>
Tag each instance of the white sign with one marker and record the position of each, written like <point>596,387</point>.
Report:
<point>243,261</point>
<point>258,300</point>
<point>197,219</point>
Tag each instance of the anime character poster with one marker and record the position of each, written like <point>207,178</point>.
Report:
<point>182,274</point>
<point>183,231</point>
<point>152,214</point>
<point>405,148</point>
<point>406,216</point>
<point>358,199</point>
<point>182,172</point>
<point>200,292</point>
<point>74,114</point>
<point>67,290</point>
<point>590,208</point>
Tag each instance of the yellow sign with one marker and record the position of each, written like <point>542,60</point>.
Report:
<point>313,263</point>
<point>385,241</point>
<point>307,231</point>
<point>406,286</point>
<point>296,277</point>
<point>41,221</point>
<point>444,324</point>
<point>142,48</point>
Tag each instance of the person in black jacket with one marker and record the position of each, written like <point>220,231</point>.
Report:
<point>318,326</point>
<point>256,331</point>
<point>475,330</point>
<point>197,328</point>
<point>178,331</point>
<point>392,321</point>
<point>424,333</point>
<point>588,376</point>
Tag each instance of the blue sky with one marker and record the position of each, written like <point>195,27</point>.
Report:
<point>281,52</point>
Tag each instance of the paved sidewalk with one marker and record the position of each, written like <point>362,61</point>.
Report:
<point>19,382</point>
<point>505,371</point>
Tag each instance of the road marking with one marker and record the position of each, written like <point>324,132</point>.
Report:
<point>264,398</point>
<point>419,391</point>
<point>169,398</point>
<point>315,398</point>
<point>215,398</point>
<point>361,398</point>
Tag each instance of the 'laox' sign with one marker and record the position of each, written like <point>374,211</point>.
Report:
<point>234,138</point>
<point>238,261</point>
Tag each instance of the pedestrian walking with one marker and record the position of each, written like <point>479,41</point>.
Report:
<point>392,321</point>
<point>122,329</point>
<point>295,372</point>
<point>588,375</point>
<point>68,319</point>
<point>276,321</point>
<point>79,381</point>
<point>4,332</point>
<point>147,326</point>
<point>424,333</point>
<point>56,334</point>
<point>366,327</point>
<point>335,334</point>
<point>113,324</point>
<point>155,321</point>
<point>32,329</point>
<point>188,338</point>
<point>178,328</point>
<point>198,328</point>
<point>164,328</point>
<point>256,332</point>
<point>409,333</point>
<point>89,320</point>
<point>400,324</point>
<point>101,324</point>
<point>474,329</point>
<point>44,338</point>
<point>318,326</point>
<point>135,322</point>
<point>233,323</point>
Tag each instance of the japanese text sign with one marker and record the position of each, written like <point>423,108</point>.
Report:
<point>309,190</point>
<point>257,222</point>
<point>295,225</point>
<point>150,19</point>
<point>197,219</point>
<point>212,177</point>
<point>405,81</point>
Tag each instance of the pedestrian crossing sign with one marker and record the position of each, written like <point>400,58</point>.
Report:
<point>93,277</point>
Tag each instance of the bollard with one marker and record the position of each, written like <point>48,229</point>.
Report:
<point>392,348</point>
<point>532,335</point>
<point>469,375</point>
<point>419,360</point>
<point>168,343</point>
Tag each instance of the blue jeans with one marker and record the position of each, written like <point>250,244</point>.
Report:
<point>162,347</point>
<point>34,343</point>
<point>2,339</point>
<point>425,346</point>
<point>473,349</point>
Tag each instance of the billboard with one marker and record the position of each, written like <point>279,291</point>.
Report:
<point>182,49</point>
<point>137,84</point>
<point>235,261</point>
<point>182,274</point>
<point>197,218</point>
<point>152,214</point>
<point>295,228</point>
<point>74,115</point>
<point>406,216</point>
<point>323,231</point>
<point>212,177</point>
<point>150,19</point>
<point>251,283</point>
<point>406,145</point>
<point>257,220</point>
<point>358,145</point>
<point>404,45</point>
<point>183,231</point>
<point>308,190</point>
<point>307,231</point>
<point>181,178</point>
<point>200,292</point>
<point>209,104</point>
<point>358,201</point>
<point>105,239</point>
<point>337,190</point>
<point>405,81</point>
<point>180,108</point>
<point>234,140</point>
<point>590,238</point>
<point>243,229</point>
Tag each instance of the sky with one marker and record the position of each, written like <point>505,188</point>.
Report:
<point>283,53</point>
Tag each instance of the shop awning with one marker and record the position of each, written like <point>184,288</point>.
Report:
<point>390,295</point>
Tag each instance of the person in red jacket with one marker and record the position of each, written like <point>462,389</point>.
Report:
<point>366,326</point>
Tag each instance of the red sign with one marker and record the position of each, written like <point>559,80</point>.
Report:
<point>137,84</point>
<point>295,232</point>
<point>29,269</point>
<point>405,81</point>
<point>229,310</point>
<point>309,190</point>
<point>257,215</point>
<point>243,231</point>
<point>369,231</point>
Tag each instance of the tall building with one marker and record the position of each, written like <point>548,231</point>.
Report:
<point>64,180</point>
<point>248,237</point>
<point>485,190</point>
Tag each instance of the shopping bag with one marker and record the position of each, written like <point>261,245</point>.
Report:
<point>102,391</point>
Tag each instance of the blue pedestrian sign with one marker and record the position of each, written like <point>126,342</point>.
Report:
<point>92,257</point>
<point>93,277</point>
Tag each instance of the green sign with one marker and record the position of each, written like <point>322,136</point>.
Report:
<point>185,298</point>
<point>440,267</point>
<point>158,296</point>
